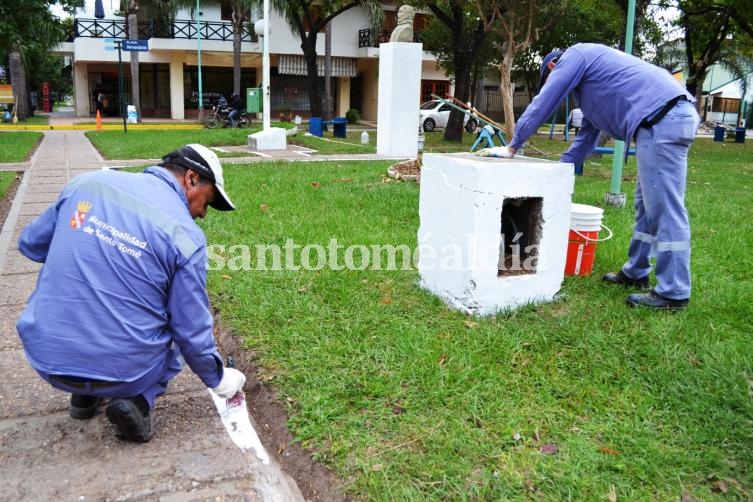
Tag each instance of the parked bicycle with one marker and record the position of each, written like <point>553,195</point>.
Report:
<point>220,116</point>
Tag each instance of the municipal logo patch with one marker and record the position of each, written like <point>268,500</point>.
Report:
<point>79,215</point>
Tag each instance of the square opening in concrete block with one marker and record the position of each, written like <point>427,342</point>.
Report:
<point>521,227</point>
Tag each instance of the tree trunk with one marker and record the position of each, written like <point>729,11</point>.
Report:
<point>133,34</point>
<point>308,44</point>
<point>453,131</point>
<point>506,89</point>
<point>18,79</point>
<point>237,34</point>
<point>328,72</point>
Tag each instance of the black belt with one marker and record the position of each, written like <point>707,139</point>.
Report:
<point>80,383</point>
<point>661,113</point>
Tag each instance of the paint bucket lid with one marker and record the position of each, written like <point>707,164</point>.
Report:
<point>585,218</point>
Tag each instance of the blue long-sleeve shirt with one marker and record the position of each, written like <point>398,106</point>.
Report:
<point>124,277</point>
<point>615,91</point>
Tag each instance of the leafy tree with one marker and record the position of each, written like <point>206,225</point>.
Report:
<point>517,24</point>
<point>26,26</point>
<point>458,38</point>
<point>307,18</point>
<point>714,31</point>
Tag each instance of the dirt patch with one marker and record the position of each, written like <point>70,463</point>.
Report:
<point>314,480</point>
<point>408,170</point>
<point>7,201</point>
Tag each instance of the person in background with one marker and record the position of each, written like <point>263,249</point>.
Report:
<point>629,99</point>
<point>576,119</point>
<point>236,107</point>
<point>100,103</point>
<point>121,298</point>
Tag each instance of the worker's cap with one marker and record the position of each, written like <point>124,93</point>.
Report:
<point>552,57</point>
<point>205,162</point>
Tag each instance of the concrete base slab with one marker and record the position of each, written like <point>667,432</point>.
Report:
<point>274,138</point>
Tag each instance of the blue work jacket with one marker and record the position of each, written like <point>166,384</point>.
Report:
<point>615,91</point>
<point>124,278</point>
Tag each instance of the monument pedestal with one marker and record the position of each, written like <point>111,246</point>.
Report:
<point>274,138</point>
<point>493,232</point>
<point>399,99</point>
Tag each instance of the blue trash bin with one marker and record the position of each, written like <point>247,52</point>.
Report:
<point>339,127</point>
<point>316,126</point>
<point>740,135</point>
<point>719,134</point>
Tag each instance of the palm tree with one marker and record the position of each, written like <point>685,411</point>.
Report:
<point>165,11</point>
<point>129,9</point>
<point>308,18</point>
<point>241,14</point>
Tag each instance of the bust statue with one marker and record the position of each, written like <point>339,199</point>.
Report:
<point>403,32</point>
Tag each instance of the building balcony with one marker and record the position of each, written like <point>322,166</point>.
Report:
<point>178,29</point>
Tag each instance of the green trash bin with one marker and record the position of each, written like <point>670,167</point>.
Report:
<point>253,100</point>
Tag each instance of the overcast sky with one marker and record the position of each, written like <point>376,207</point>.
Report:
<point>88,11</point>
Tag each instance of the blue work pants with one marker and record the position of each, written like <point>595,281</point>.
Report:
<point>662,229</point>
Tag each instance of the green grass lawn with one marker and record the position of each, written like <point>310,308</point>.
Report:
<point>17,146</point>
<point>153,143</point>
<point>405,399</point>
<point>6,180</point>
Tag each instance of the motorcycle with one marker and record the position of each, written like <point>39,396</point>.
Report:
<point>220,116</point>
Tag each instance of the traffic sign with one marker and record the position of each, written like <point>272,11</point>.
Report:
<point>136,45</point>
<point>109,44</point>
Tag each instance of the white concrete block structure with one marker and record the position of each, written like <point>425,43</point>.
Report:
<point>493,232</point>
<point>399,99</point>
<point>273,138</point>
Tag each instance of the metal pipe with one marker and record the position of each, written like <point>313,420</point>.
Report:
<point>619,145</point>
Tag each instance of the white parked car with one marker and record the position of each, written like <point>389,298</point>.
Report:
<point>435,113</point>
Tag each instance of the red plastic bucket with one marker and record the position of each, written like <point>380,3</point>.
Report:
<point>585,224</point>
<point>581,252</point>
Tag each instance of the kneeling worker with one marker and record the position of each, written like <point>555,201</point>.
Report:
<point>121,298</point>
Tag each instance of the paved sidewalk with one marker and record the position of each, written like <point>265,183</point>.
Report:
<point>46,455</point>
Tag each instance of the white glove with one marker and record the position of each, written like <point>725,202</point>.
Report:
<point>232,382</point>
<point>496,151</point>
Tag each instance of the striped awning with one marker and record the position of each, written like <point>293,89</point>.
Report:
<point>296,65</point>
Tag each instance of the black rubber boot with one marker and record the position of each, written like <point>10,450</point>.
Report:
<point>83,407</point>
<point>623,280</point>
<point>132,422</point>
<point>654,300</point>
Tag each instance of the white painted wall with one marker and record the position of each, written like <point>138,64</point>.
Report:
<point>460,210</point>
<point>399,95</point>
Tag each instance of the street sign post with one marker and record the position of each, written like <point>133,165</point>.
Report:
<point>136,45</point>
<point>119,46</point>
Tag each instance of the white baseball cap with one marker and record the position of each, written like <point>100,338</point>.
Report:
<point>205,162</point>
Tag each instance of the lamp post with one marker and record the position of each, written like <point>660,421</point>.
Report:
<point>198,54</point>
<point>261,27</point>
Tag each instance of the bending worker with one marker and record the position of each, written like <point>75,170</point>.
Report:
<point>628,99</point>
<point>121,298</point>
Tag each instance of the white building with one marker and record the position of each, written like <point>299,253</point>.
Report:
<point>169,71</point>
